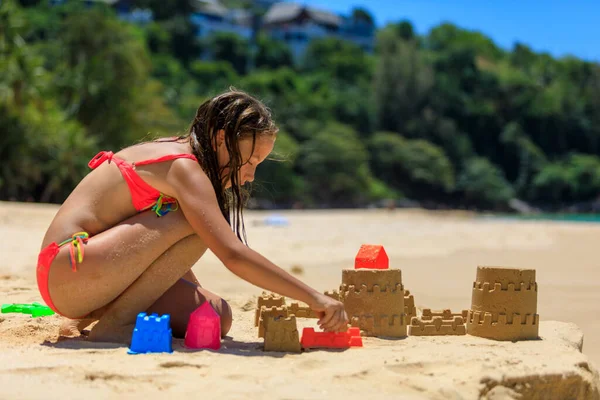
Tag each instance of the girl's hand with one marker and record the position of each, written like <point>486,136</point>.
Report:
<point>333,317</point>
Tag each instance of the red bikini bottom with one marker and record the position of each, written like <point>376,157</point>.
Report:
<point>47,256</point>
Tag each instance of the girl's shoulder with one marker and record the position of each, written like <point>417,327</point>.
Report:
<point>156,151</point>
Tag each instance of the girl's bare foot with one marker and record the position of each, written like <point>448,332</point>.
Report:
<point>74,327</point>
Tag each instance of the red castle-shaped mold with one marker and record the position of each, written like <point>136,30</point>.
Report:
<point>341,340</point>
<point>371,257</point>
<point>204,329</point>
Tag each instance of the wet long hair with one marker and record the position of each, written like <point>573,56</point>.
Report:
<point>240,116</point>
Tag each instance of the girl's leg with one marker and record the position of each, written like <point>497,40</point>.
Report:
<point>115,259</point>
<point>118,320</point>
<point>181,299</point>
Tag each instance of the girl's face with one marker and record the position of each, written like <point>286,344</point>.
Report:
<point>263,146</point>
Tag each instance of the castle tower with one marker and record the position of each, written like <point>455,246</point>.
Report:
<point>281,334</point>
<point>504,304</point>
<point>409,306</point>
<point>267,300</point>
<point>373,295</point>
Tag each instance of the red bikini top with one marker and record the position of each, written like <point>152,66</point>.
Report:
<point>143,195</point>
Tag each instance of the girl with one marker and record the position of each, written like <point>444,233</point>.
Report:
<point>144,216</point>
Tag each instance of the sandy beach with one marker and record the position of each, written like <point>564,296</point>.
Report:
<point>438,253</point>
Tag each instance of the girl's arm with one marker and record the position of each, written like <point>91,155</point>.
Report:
<point>198,201</point>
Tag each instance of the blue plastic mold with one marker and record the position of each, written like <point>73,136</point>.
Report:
<point>152,334</point>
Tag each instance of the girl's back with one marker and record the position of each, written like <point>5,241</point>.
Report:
<point>103,198</point>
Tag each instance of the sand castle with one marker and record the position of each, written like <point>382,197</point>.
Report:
<point>374,301</point>
<point>278,327</point>
<point>446,314</point>
<point>281,334</point>
<point>268,301</point>
<point>265,313</point>
<point>504,304</point>
<point>269,313</point>
<point>438,323</point>
<point>409,306</point>
<point>277,323</point>
<point>373,294</point>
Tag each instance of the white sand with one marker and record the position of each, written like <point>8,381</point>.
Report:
<point>438,254</point>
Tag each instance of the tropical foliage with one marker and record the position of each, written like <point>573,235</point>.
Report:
<point>446,119</point>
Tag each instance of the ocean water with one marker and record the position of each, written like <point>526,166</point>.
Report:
<point>588,218</point>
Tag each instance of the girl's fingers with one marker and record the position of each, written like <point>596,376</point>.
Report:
<point>326,319</point>
<point>335,322</point>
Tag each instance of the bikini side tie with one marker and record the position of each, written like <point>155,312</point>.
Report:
<point>76,251</point>
<point>169,204</point>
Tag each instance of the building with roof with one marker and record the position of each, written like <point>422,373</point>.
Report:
<point>210,17</point>
<point>295,24</point>
<point>298,25</point>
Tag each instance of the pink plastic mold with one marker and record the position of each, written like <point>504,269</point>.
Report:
<point>204,329</point>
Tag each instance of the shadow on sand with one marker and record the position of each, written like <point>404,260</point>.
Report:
<point>228,346</point>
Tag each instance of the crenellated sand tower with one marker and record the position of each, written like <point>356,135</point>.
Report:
<point>373,295</point>
<point>504,304</point>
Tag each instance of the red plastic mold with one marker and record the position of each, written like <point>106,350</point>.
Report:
<point>204,329</point>
<point>343,340</point>
<point>371,257</point>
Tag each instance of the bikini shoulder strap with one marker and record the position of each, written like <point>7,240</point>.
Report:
<point>168,157</point>
<point>100,158</point>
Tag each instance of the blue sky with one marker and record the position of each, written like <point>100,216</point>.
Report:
<point>559,27</point>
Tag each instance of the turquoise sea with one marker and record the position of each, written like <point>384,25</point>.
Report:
<point>590,218</point>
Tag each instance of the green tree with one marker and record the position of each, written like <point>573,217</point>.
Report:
<point>348,105</point>
<point>552,185</point>
<point>335,165</point>
<point>184,44</point>
<point>448,36</point>
<point>361,14</point>
<point>404,30</point>
<point>483,184</point>
<point>442,132</point>
<point>529,158</point>
<point>272,53</point>
<point>276,179</point>
<point>173,28</point>
<point>504,123</point>
<point>296,100</point>
<point>162,11</point>
<point>213,77</point>
<point>338,59</point>
<point>102,76</point>
<point>224,46</point>
<point>402,83</point>
<point>585,176</point>
<point>159,39</point>
<point>592,94</point>
<point>416,167</point>
<point>29,3</point>
<point>174,76</point>
<point>22,75</point>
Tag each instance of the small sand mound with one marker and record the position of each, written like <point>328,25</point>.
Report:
<point>23,329</point>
